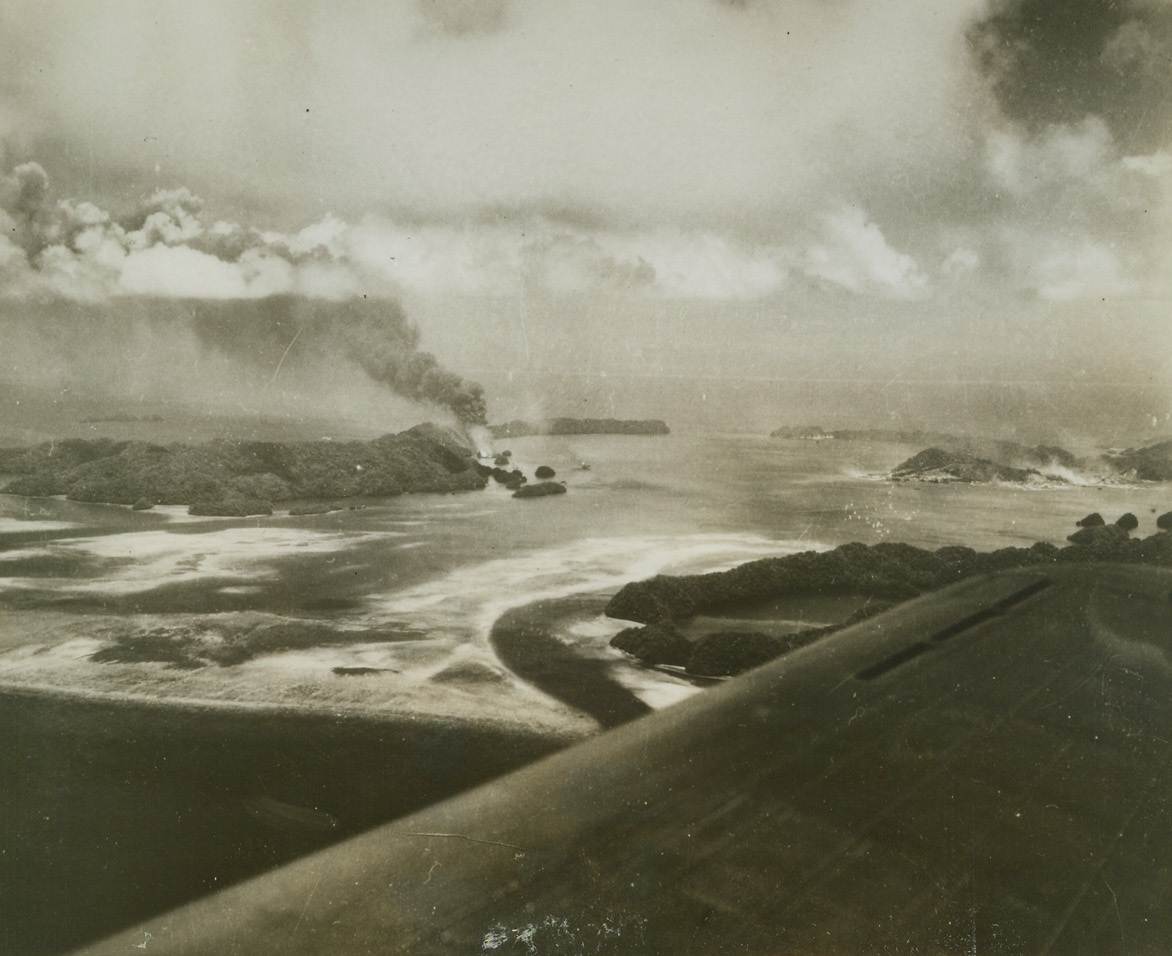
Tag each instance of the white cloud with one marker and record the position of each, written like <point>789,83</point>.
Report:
<point>695,113</point>
<point>181,272</point>
<point>1084,270</point>
<point>1083,153</point>
<point>1155,165</point>
<point>1131,47</point>
<point>853,253</point>
<point>962,261</point>
<point>1077,219</point>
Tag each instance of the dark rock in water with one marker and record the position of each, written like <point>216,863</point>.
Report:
<point>231,508</point>
<point>506,478</point>
<point>299,511</point>
<point>540,490</point>
<point>732,652</point>
<point>357,671</point>
<point>1093,520</point>
<point>1149,463</point>
<point>580,426</point>
<point>1164,522</point>
<point>654,644</point>
<point>143,504</point>
<point>1101,539</point>
<point>544,472</point>
<point>501,461</point>
<point>938,465</point>
<point>1128,522</point>
<point>515,484</point>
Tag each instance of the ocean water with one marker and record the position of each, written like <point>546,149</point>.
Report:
<point>244,691</point>
<point>408,588</point>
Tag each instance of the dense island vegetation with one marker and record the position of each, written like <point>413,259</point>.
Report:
<point>882,574</point>
<point>242,477</point>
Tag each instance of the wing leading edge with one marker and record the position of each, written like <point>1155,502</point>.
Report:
<point>983,770</point>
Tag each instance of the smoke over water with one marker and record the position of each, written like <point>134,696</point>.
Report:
<point>386,345</point>
<point>375,335</point>
<point>93,294</point>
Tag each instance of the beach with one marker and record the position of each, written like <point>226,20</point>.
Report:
<point>187,702</point>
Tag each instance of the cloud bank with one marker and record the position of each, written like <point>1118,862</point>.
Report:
<point>981,163</point>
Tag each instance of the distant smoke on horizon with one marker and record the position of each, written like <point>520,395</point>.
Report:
<point>250,294</point>
<point>376,335</point>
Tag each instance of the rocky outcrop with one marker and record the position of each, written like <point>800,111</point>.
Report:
<point>544,472</point>
<point>579,426</point>
<point>724,653</point>
<point>938,465</point>
<point>658,643</point>
<point>894,571</point>
<point>540,490</point>
<point>1164,521</point>
<point>1093,520</point>
<point>1128,521</point>
<point>233,507</point>
<point>426,458</point>
<point>312,508</point>
<point>516,477</point>
<point>1012,452</point>
<point>732,652</point>
<point>1101,539</point>
<point>887,570</point>
<point>1149,463</point>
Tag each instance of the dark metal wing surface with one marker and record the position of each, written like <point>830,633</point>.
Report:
<point>982,770</point>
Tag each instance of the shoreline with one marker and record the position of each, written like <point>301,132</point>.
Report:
<point>241,708</point>
<point>524,641</point>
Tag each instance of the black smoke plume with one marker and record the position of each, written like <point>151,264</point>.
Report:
<point>376,335</point>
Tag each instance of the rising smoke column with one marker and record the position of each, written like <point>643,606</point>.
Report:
<point>74,251</point>
<point>381,339</point>
<point>376,335</point>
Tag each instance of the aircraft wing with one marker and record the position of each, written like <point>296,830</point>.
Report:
<point>982,770</point>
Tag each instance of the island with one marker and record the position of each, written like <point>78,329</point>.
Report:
<point>992,448</point>
<point>243,477</point>
<point>877,576</point>
<point>1146,463</point>
<point>937,465</point>
<point>520,428</point>
<point>993,459</point>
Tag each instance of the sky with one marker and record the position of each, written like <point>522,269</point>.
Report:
<point>814,190</point>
